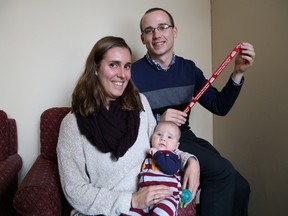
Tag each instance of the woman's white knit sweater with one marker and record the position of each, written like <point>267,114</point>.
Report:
<point>92,182</point>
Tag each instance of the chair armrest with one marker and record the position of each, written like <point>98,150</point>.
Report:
<point>9,169</point>
<point>40,191</point>
<point>190,210</point>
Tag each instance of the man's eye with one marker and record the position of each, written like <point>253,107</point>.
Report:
<point>147,31</point>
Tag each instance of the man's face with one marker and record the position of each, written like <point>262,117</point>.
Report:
<point>158,40</point>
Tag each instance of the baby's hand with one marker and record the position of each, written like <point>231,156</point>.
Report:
<point>153,150</point>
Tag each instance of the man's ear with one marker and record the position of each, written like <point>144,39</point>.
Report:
<point>142,39</point>
<point>175,31</point>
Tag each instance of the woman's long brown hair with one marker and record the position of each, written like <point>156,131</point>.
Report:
<point>88,95</point>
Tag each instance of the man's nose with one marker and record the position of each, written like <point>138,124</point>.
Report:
<point>157,32</point>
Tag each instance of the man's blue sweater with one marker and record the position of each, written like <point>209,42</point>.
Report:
<point>175,87</point>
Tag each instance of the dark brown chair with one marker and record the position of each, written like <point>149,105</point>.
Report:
<point>10,163</point>
<point>40,191</point>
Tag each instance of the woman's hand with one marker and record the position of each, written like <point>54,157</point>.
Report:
<point>191,177</point>
<point>149,195</point>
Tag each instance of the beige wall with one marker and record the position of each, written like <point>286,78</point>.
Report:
<point>44,45</point>
<point>254,134</point>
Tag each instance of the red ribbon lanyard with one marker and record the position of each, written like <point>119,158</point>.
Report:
<point>213,77</point>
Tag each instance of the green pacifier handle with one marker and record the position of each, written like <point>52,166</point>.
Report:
<point>185,197</point>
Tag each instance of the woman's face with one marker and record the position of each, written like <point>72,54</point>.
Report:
<point>114,72</point>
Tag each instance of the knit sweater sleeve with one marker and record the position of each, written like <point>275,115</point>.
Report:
<point>184,157</point>
<point>150,117</point>
<point>219,102</point>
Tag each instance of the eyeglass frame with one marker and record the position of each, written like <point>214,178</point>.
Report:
<point>160,28</point>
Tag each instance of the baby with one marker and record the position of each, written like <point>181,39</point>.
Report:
<point>162,166</point>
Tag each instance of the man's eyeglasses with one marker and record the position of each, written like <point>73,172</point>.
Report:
<point>160,28</point>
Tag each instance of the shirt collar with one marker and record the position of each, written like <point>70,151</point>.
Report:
<point>157,65</point>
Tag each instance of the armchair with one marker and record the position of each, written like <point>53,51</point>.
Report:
<point>40,192</point>
<point>10,163</point>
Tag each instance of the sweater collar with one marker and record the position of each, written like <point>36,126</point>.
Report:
<point>157,65</point>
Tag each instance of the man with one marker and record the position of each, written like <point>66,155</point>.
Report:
<point>169,83</point>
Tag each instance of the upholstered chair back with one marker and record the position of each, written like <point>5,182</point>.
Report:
<point>10,163</point>
<point>8,136</point>
<point>50,122</point>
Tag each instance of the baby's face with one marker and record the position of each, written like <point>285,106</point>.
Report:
<point>165,137</point>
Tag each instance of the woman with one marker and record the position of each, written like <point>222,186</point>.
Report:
<point>103,141</point>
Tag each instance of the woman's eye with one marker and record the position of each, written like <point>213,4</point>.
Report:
<point>128,66</point>
<point>113,65</point>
